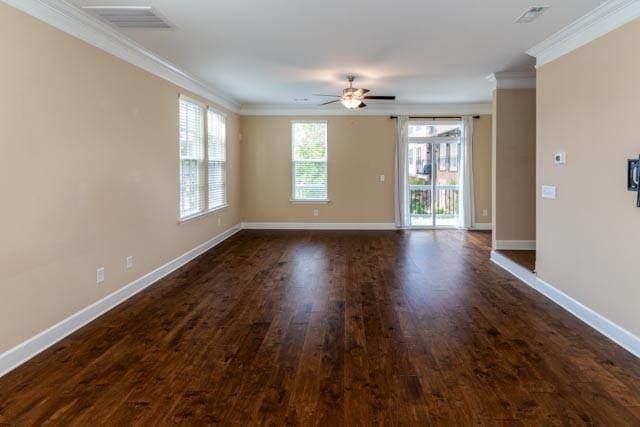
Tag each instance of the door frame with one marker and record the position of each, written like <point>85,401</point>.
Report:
<point>435,142</point>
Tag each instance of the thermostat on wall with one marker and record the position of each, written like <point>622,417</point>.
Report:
<point>560,158</point>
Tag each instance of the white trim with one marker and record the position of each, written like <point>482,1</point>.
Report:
<point>513,80</point>
<point>381,109</point>
<point>318,226</point>
<point>601,20</point>
<point>482,226</point>
<point>606,327</point>
<point>516,245</point>
<point>199,215</point>
<point>24,351</point>
<point>78,23</point>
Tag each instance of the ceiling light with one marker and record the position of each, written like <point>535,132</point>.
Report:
<point>351,102</point>
<point>531,14</point>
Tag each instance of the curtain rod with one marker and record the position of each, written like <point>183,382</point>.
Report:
<point>434,118</point>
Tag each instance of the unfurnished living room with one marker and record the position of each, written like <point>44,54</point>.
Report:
<point>295,212</point>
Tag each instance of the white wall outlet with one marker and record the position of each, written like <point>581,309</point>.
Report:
<point>560,158</point>
<point>219,222</point>
<point>382,178</point>
<point>316,212</point>
<point>485,212</point>
<point>129,261</point>
<point>100,275</point>
<point>548,191</point>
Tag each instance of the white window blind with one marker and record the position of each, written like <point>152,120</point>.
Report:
<point>192,157</point>
<point>217,157</point>
<point>202,159</point>
<point>309,158</point>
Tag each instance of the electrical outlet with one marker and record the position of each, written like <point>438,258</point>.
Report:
<point>100,275</point>
<point>129,261</point>
<point>316,212</point>
<point>485,212</point>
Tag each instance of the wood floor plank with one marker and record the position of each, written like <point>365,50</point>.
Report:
<point>332,328</point>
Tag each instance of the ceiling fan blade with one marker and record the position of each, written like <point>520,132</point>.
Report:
<point>362,105</point>
<point>330,102</point>
<point>391,98</point>
<point>333,96</point>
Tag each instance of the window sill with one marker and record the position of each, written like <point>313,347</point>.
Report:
<point>309,202</point>
<point>202,214</point>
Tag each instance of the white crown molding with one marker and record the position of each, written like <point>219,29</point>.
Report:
<point>72,20</point>
<point>371,110</point>
<point>606,327</point>
<point>513,79</point>
<point>24,351</point>
<point>601,20</point>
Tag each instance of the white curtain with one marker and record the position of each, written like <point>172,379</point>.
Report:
<point>401,168</point>
<point>467,207</point>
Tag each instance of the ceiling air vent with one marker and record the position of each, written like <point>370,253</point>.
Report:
<point>129,16</point>
<point>531,14</point>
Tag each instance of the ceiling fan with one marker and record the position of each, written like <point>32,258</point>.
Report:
<point>352,97</point>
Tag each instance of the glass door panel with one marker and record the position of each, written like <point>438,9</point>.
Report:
<point>447,184</point>
<point>421,184</point>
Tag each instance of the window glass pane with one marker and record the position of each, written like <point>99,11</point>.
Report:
<point>216,152</point>
<point>309,141</point>
<point>191,158</point>
<point>310,180</point>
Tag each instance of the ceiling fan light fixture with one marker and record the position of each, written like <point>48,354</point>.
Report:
<point>351,103</point>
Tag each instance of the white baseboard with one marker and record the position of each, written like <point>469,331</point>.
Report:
<point>318,226</point>
<point>24,351</point>
<point>606,327</point>
<point>481,226</point>
<point>516,245</point>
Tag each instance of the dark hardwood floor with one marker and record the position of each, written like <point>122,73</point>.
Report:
<point>332,328</point>
<point>526,259</point>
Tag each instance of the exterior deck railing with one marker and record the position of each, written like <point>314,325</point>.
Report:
<point>446,201</point>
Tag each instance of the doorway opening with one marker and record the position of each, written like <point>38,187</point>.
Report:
<point>434,173</point>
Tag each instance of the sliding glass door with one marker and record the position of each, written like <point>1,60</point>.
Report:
<point>434,173</point>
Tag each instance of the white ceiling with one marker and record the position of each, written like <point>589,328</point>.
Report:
<point>423,51</point>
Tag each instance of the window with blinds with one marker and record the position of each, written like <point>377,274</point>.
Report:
<point>309,161</point>
<point>202,159</point>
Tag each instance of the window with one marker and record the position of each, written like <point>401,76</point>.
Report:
<point>411,156</point>
<point>202,159</point>
<point>418,157</point>
<point>453,157</point>
<point>309,160</point>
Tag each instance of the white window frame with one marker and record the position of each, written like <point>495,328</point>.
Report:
<point>205,163</point>
<point>293,198</point>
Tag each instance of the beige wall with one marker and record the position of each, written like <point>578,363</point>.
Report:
<point>360,150</point>
<point>482,168</point>
<point>513,164</point>
<point>588,105</point>
<point>88,175</point>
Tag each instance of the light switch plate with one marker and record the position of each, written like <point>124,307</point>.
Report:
<point>548,191</point>
<point>100,275</point>
<point>382,178</point>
